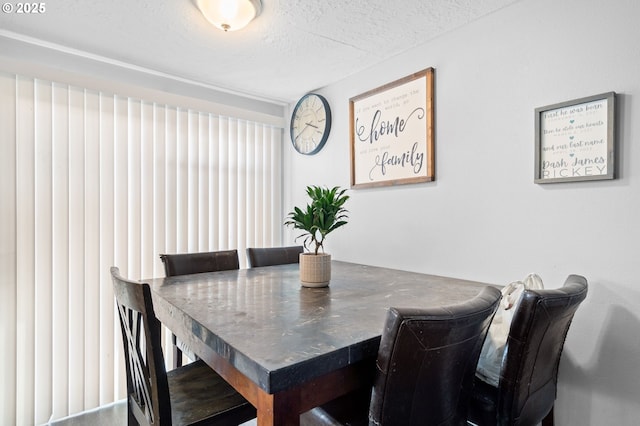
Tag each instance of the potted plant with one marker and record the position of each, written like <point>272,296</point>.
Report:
<point>324,214</point>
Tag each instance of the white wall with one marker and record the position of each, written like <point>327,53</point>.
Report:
<point>483,218</point>
<point>41,59</point>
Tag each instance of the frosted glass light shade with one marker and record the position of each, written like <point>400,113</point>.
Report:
<point>229,15</point>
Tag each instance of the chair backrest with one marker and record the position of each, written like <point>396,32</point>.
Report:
<point>529,373</point>
<point>195,263</point>
<point>274,255</point>
<point>427,360</point>
<point>147,385</point>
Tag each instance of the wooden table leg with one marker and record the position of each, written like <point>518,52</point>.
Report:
<point>282,408</point>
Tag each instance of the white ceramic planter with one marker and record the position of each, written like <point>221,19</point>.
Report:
<point>315,270</point>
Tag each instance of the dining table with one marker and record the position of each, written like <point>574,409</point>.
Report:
<point>288,348</point>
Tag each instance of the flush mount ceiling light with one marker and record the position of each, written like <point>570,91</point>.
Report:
<point>230,15</point>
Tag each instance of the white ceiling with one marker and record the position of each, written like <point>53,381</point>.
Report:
<point>293,47</point>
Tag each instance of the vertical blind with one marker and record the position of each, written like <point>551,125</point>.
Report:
<point>90,180</point>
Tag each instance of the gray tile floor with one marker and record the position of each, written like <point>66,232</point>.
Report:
<point>110,415</point>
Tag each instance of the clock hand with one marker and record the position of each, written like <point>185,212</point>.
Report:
<point>302,131</point>
<point>312,125</point>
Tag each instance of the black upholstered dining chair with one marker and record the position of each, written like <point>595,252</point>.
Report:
<point>527,385</point>
<point>424,369</point>
<point>273,255</point>
<point>193,394</point>
<point>195,263</point>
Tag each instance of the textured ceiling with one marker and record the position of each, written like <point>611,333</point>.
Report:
<point>293,47</point>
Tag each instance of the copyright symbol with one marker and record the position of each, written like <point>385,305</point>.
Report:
<point>7,8</point>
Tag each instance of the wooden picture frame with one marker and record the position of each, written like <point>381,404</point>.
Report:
<point>575,140</point>
<point>392,134</point>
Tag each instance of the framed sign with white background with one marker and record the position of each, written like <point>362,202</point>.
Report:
<point>391,133</point>
<point>575,140</point>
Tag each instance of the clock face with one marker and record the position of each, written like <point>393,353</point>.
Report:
<point>310,124</point>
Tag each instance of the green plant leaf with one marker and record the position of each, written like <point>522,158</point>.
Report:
<point>324,214</point>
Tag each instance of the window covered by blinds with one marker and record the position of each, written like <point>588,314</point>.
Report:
<point>90,180</point>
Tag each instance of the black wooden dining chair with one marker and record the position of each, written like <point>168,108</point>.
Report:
<point>193,394</point>
<point>195,263</point>
<point>424,370</point>
<point>527,385</point>
<point>273,255</point>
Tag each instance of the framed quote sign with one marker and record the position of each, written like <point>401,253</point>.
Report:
<point>392,133</point>
<point>575,140</point>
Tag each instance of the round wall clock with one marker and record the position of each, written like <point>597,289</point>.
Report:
<point>310,124</point>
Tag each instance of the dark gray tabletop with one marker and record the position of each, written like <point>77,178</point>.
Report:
<point>280,334</point>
